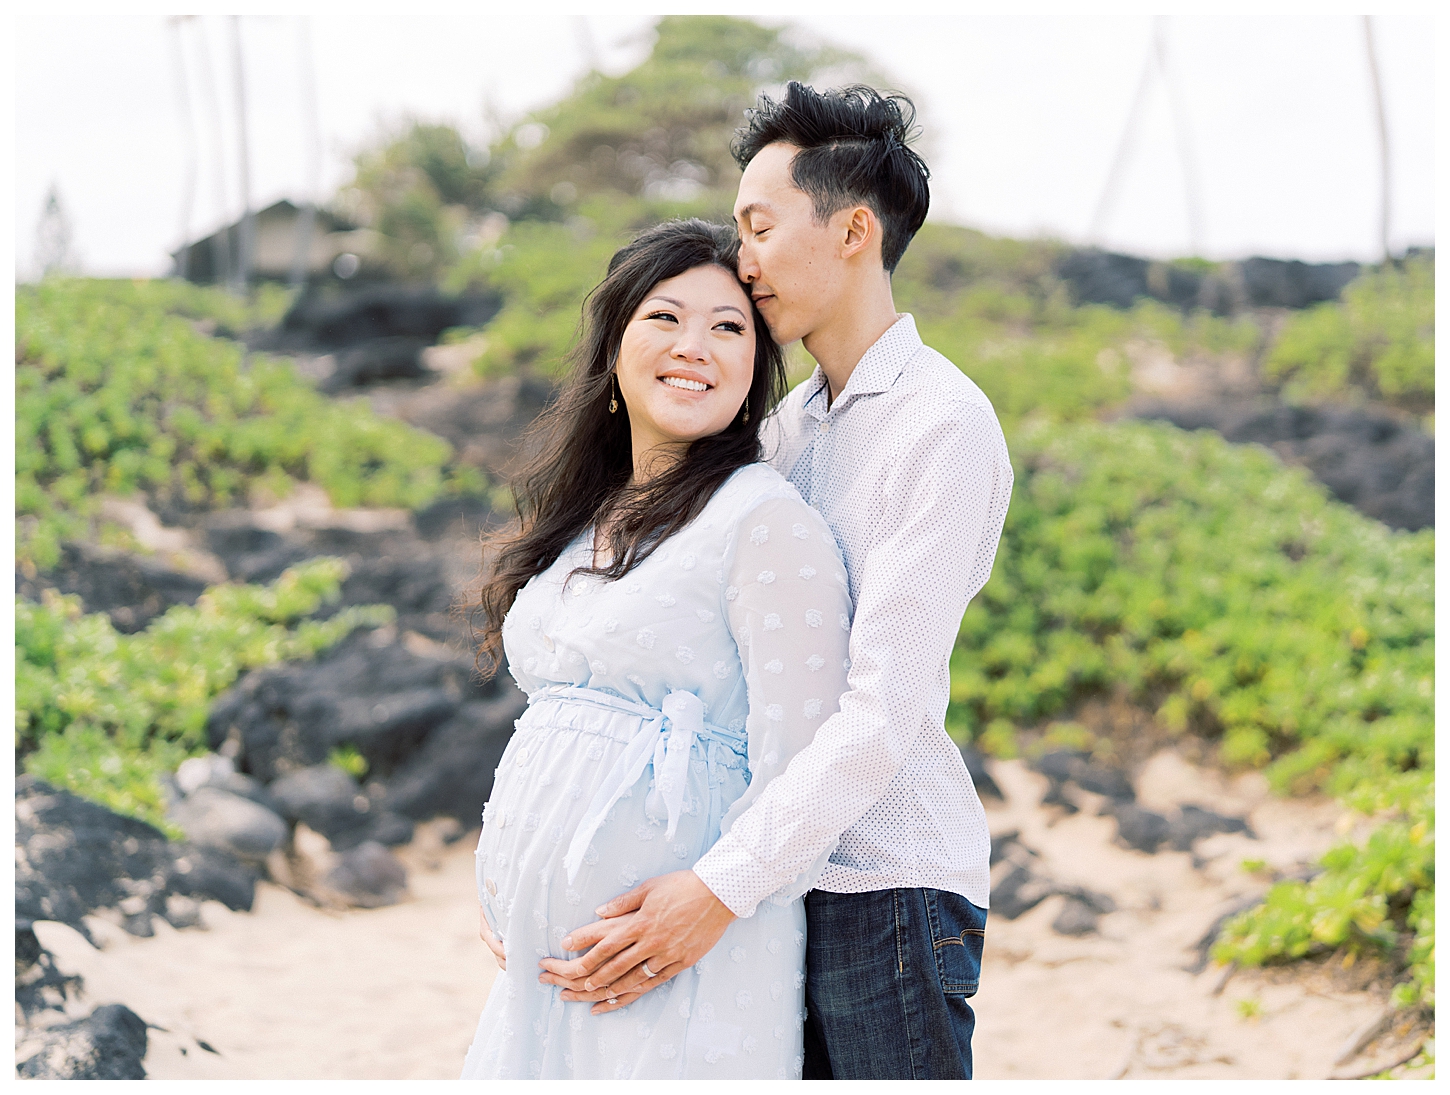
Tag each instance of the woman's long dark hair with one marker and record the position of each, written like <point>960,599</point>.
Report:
<point>580,475</point>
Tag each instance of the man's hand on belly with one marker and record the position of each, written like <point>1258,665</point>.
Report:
<point>667,923</point>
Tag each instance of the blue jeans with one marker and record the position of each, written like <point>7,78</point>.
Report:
<point>888,974</point>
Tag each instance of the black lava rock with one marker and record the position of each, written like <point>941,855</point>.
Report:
<point>388,728</point>
<point>1369,458</point>
<point>391,829</point>
<point>1102,780</point>
<point>1057,796</point>
<point>73,857</point>
<point>217,818</point>
<point>982,780</point>
<point>384,701</point>
<point>399,357</point>
<point>387,566</point>
<point>249,553</point>
<point>1073,766</point>
<point>1106,277</point>
<point>1060,765</point>
<point>378,312</point>
<point>468,514</point>
<point>452,774</point>
<point>1103,277</point>
<point>1076,918</point>
<point>367,876</point>
<point>109,1044</point>
<point>1019,891</point>
<point>325,799</point>
<point>1141,829</point>
<point>39,984</point>
<point>131,589</point>
<point>487,425</point>
<point>210,874</point>
<point>1277,283</point>
<point>1002,843</point>
<point>1193,823</point>
<point>1019,886</point>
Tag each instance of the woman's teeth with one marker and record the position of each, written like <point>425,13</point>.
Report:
<point>688,385</point>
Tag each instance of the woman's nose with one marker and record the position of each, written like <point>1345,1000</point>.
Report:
<point>690,346</point>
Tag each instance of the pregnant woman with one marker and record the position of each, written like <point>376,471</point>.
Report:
<point>679,618</point>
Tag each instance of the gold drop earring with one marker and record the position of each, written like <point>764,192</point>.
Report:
<point>613,387</point>
<point>745,418</point>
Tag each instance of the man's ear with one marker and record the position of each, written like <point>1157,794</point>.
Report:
<point>860,231</point>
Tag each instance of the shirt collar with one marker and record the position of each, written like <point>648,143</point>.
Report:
<point>878,368</point>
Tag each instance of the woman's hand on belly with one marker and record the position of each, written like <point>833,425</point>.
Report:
<point>486,934</point>
<point>668,923</point>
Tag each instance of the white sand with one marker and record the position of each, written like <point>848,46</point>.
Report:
<point>1120,1003</point>
<point>292,991</point>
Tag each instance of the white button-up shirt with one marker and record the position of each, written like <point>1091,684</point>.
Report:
<point>910,470</point>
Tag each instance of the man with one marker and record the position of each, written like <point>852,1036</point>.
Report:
<point>904,457</point>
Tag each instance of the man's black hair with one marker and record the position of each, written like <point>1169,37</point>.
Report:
<point>852,143</point>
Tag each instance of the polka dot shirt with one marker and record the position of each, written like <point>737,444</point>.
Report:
<point>910,470</point>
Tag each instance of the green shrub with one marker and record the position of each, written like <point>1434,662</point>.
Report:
<point>116,393</point>
<point>1363,900</point>
<point>106,715</point>
<point>349,760</point>
<point>1378,340</point>
<point>544,271</point>
<point>1226,590</point>
<point>1231,594</point>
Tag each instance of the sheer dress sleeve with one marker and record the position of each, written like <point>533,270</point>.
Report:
<point>788,607</point>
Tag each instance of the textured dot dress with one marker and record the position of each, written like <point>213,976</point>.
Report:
<point>659,706</point>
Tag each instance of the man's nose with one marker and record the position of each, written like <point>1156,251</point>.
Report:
<point>748,268</point>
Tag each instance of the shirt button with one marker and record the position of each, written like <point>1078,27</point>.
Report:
<point>490,886</point>
<point>825,426</point>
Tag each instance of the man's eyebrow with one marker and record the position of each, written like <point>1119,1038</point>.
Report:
<point>753,207</point>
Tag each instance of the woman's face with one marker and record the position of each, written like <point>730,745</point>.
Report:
<point>687,358</point>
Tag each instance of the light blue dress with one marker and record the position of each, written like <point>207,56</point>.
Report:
<point>659,706</point>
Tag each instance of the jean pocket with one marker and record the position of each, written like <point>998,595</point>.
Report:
<point>958,930</point>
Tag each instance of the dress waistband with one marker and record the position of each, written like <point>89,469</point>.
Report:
<point>665,736</point>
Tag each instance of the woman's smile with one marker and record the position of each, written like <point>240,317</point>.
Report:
<point>688,385</point>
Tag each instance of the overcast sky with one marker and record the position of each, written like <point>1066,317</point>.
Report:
<point>1023,115</point>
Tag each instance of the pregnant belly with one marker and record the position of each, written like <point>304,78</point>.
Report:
<point>543,789</point>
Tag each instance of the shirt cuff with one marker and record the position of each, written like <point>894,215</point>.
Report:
<point>733,876</point>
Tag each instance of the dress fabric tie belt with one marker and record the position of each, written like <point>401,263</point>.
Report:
<point>664,737</point>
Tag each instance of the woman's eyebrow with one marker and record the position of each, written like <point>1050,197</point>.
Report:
<point>681,304</point>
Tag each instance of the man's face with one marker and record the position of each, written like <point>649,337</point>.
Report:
<point>790,261</point>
